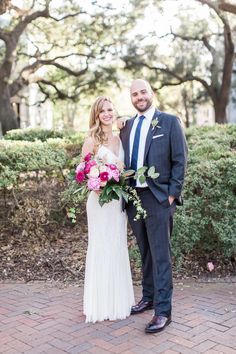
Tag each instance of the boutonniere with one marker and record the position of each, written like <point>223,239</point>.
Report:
<point>154,123</point>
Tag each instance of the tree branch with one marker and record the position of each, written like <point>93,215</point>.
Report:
<point>60,94</point>
<point>216,9</point>
<point>203,39</point>
<point>38,63</point>
<point>21,80</point>
<point>226,6</point>
<point>187,77</point>
<point>4,5</point>
<point>68,16</point>
<point>20,27</point>
<point>17,85</point>
<point>4,36</point>
<point>64,68</point>
<point>208,46</point>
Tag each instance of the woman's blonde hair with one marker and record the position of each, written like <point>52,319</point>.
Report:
<point>95,129</point>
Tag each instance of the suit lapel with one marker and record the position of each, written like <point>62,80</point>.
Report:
<point>126,141</point>
<point>151,132</point>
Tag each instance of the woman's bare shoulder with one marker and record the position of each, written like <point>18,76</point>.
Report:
<point>88,146</point>
<point>89,140</point>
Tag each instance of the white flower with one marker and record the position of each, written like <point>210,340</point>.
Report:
<point>94,172</point>
<point>103,184</point>
<point>103,168</point>
<point>154,123</point>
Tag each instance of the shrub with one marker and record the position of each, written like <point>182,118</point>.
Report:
<point>33,134</point>
<point>206,224</point>
<point>19,158</point>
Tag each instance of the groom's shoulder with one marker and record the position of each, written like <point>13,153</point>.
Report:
<point>169,118</point>
<point>131,119</point>
<point>128,122</point>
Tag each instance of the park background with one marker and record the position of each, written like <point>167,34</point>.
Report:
<point>56,57</point>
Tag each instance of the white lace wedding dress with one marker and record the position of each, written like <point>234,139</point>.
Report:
<point>108,289</point>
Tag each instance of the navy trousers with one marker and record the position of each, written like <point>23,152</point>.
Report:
<point>153,238</point>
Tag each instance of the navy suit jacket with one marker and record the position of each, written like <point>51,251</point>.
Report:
<point>166,150</point>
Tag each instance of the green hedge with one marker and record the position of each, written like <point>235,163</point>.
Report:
<point>34,134</point>
<point>22,157</point>
<point>205,226</point>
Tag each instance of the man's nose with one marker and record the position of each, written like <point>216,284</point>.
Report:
<point>139,96</point>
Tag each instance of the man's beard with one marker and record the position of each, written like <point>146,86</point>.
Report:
<point>148,105</point>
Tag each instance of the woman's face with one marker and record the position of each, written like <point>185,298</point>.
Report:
<point>106,116</point>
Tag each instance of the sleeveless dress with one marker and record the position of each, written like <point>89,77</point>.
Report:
<point>108,289</point>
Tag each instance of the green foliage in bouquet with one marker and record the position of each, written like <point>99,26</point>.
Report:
<point>75,195</point>
<point>113,190</point>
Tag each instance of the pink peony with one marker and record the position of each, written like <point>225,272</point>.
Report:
<point>80,177</point>
<point>112,166</point>
<point>114,174</point>
<point>88,157</point>
<point>104,176</point>
<point>94,184</point>
<point>80,167</point>
<point>88,166</point>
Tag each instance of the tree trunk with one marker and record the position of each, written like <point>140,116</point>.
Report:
<point>220,112</point>
<point>185,102</point>
<point>7,115</point>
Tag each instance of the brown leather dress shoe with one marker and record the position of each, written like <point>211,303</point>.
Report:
<point>141,307</point>
<point>157,324</point>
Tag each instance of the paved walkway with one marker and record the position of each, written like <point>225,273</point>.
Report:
<point>45,318</point>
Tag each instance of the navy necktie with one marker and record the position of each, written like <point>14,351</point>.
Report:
<point>134,156</point>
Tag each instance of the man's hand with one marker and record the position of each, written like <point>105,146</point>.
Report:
<point>171,199</point>
<point>120,123</point>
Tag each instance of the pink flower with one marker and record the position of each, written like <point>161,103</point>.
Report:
<point>88,157</point>
<point>89,165</point>
<point>80,167</point>
<point>104,176</point>
<point>94,184</point>
<point>112,166</point>
<point>114,174</point>
<point>210,266</point>
<point>80,177</point>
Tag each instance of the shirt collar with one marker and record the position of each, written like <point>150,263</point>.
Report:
<point>148,114</point>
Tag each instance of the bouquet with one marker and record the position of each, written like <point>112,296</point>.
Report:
<point>109,181</point>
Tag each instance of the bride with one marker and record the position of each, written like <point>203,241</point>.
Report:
<point>108,290</point>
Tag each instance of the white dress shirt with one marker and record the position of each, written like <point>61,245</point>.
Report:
<point>143,136</point>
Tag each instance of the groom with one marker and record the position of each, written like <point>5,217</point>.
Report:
<point>154,138</point>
